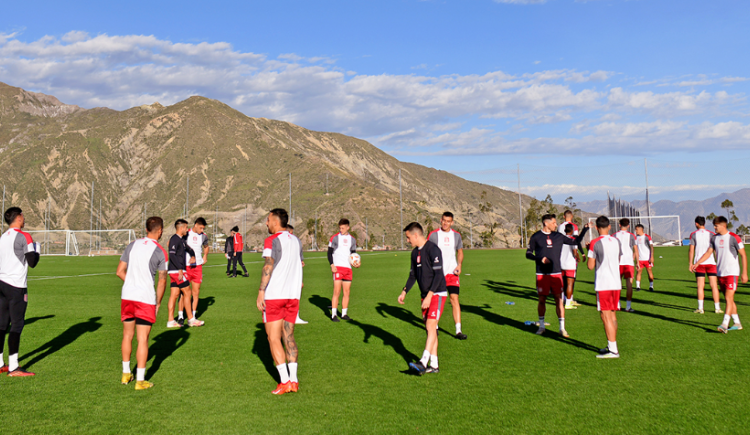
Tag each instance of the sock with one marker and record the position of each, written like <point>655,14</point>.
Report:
<point>700,304</point>
<point>458,328</point>
<point>562,324</point>
<point>433,361</point>
<point>726,320</point>
<point>194,314</point>
<point>612,346</point>
<point>140,374</point>
<point>293,372</point>
<point>650,284</point>
<point>637,284</point>
<point>425,357</point>
<point>283,373</point>
<point>181,315</point>
<point>1,360</point>
<point>717,306</point>
<point>541,321</point>
<point>12,362</point>
<point>126,366</point>
<point>736,319</point>
<point>343,311</point>
<point>334,312</point>
<point>628,304</point>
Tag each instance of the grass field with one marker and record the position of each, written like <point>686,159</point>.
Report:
<point>676,373</point>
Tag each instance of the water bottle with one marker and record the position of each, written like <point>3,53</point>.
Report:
<point>528,323</point>
<point>510,303</point>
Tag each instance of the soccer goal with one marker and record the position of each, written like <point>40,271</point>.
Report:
<point>72,243</point>
<point>664,230</point>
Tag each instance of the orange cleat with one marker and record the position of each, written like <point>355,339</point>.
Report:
<point>283,388</point>
<point>4,369</point>
<point>19,372</point>
<point>295,387</point>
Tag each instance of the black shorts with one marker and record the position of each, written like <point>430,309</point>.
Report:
<point>181,285</point>
<point>704,274</point>
<point>453,289</point>
<point>139,321</point>
<point>13,303</point>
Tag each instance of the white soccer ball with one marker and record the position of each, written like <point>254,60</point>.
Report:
<point>355,259</point>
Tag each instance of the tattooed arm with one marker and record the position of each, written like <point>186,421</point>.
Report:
<point>264,279</point>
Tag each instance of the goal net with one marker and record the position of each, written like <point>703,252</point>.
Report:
<point>97,242</point>
<point>664,230</point>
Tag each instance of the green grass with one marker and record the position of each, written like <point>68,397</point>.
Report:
<point>676,374</point>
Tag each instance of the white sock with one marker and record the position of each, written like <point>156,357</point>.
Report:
<point>628,304</point>
<point>736,319</point>
<point>194,316</point>
<point>637,284</point>
<point>650,284</point>
<point>717,306</point>
<point>12,362</point>
<point>126,366</point>
<point>293,372</point>
<point>1,359</point>
<point>181,315</point>
<point>700,304</point>
<point>425,357</point>
<point>343,311</point>
<point>458,328</point>
<point>283,373</point>
<point>334,312</point>
<point>612,346</point>
<point>140,374</point>
<point>562,324</point>
<point>726,320</point>
<point>433,361</point>
<point>541,321</point>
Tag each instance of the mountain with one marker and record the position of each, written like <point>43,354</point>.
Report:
<point>50,153</point>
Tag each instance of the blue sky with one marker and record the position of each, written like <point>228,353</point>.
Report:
<point>577,93</point>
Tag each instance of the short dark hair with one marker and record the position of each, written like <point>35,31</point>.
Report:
<point>236,229</point>
<point>154,223</point>
<point>200,221</point>
<point>700,220</point>
<point>567,212</point>
<point>282,215</point>
<point>548,216</point>
<point>640,226</point>
<point>11,214</point>
<point>448,214</point>
<point>602,222</point>
<point>720,220</point>
<point>180,222</point>
<point>414,226</point>
<point>344,221</point>
<point>624,222</point>
<point>289,227</point>
<point>568,228</point>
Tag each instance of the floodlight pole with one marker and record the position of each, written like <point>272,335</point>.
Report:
<point>648,204</point>
<point>290,194</point>
<point>367,233</point>
<point>520,210</point>
<point>187,198</point>
<point>91,233</point>
<point>2,221</point>
<point>401,208</point>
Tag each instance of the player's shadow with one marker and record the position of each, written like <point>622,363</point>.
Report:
<point>674,320</point>
<point>31,320</point>
<point>323,303</point>
<point>400,313</point>
<point>203,304</point>
<point>263,350</point>
<point>165,344</point>
<point>531,329</point>
<point>387,338</point>
<point>67,337</point>
<point>508,288</point>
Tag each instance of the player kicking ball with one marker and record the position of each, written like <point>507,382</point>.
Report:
<point>340,247</point>
<point>627,259</point>
<point>604,256</point>
<point>700,241</point>
<point>427,271</point>
<point>452,247</point>
<point>645,256</point>
<point>730,254</point>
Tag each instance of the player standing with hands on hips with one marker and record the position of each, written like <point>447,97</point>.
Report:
<point>452,247</point>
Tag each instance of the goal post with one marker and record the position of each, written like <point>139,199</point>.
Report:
<point>664,230</point>
<point>91,243</point>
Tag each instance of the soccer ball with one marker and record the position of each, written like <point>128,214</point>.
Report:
<point>355,259</point>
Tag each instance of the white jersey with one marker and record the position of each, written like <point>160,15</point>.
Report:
<point>449,243</point>
<point>286,278</point>
<point>627,242</point>
<point>14,245</point>
<point>568,257</point>
<point>144,257</point>
<point>343,246</point>
<point>606,250</point>
<point>727,249</point>
<point>197,242</point>
<point>561,228</point>
<point>644,244</point>
<point>701,240</point>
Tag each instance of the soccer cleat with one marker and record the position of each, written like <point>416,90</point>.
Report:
<point>300,321</point>
<point>723,328</point>
<point>247,275</point>
<point>295,387</point>
<point>736,327</point>
<point>143,385</point>
<point>126,378</point>
<point>576,304</point>
<point>432,370</point>
<point>541,330</point>
<point>564,333</point>
<point>195,322</point>
<point>608,355</point>
<point>418,367</point>
<point>346,317</point>
<point>719,311</point>
<point>570,307</point>
<point>4,369</point>
<point>335,319</point>
<point>180,320</point>
<point>637,289</point>
<point>603,351</point>
<point>650,289</point>
<point>461,336</point>
<point>173,324</point>
<point>629,310</point>
<point>19,372</point>
<point>283,388</point>
<point>698,311</point>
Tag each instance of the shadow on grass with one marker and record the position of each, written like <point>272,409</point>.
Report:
<point>263,350</point>
<point>508,288</point>
<point>34,319</point>
<point>203,305</point>
<point>387,338</point>
<point>407,316</point>
<point>65,338</point>
<point>165,344</point>
<point>323,303</point>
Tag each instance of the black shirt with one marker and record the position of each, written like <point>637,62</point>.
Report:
<point>178,247</point>
<point>229,245</point>
<point>427,270</point>
<point>550,245</point>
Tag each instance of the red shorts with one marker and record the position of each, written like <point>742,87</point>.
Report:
<point>452,280</point>
<point>608,300</point>
<point>277,309</point>
<point>728,283</point>
<point>342,274</point>
<point>645,264</point>
<point>549,283</point>
<point>706,269</point>
<point>569,273</point>
<point>626,271</point>
<point>175,282</point>
<point>137,310</point>
<point>436,308</point>
<point>195,274</point>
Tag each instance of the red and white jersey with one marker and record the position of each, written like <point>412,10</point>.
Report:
<point>701,240</point>
<point>644,244</point>
<point>449,243</point>
<point>561,228</point>
<point>343,246</point>
<point>627,241</point>
<point>238,243</point>
<point>568,257</point>
<point>606,250</point>
<point>286,278</point>
<point>144,257</point>
<point>197,242</point>
<point>14,245</point>
<point>727,248</point>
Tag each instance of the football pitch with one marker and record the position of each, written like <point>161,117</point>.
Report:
<point>677,374</point>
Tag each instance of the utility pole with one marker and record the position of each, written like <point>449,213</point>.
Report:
<point>471,229</point>
<point>401,208</point>
<point>520,210</point>
<point>326,183</point>
<point>290,194</point>
<point>100,224</point>
<point>2,221</point>
<point>187,198</point>
<point>367,233</point>
<point>91,229</point>
<point>315,231</point>
<point>648,204</point>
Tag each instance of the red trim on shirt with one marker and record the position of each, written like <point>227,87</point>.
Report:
<point>268,244</point>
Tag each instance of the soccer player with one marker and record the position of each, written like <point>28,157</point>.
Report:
<point>278,297</point>
<point>604,255</point>
<point>198,241</point>
<point>17,252</point>
<point>627,259</point>
<point>427,272</point>
<point>452,247</point>
<point>299,320</point>
<point>138,266</point>
<point>729,249</point>
<point>237,252</point>
<point>340,247</point>
<point>568,216</point>
<point>180,254</point>
<point>229,252</point>
<point>700,241</point>
<point>570,303</point>
<point>545,248</point>
<point>569,259</point>
<point>645,256</point>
